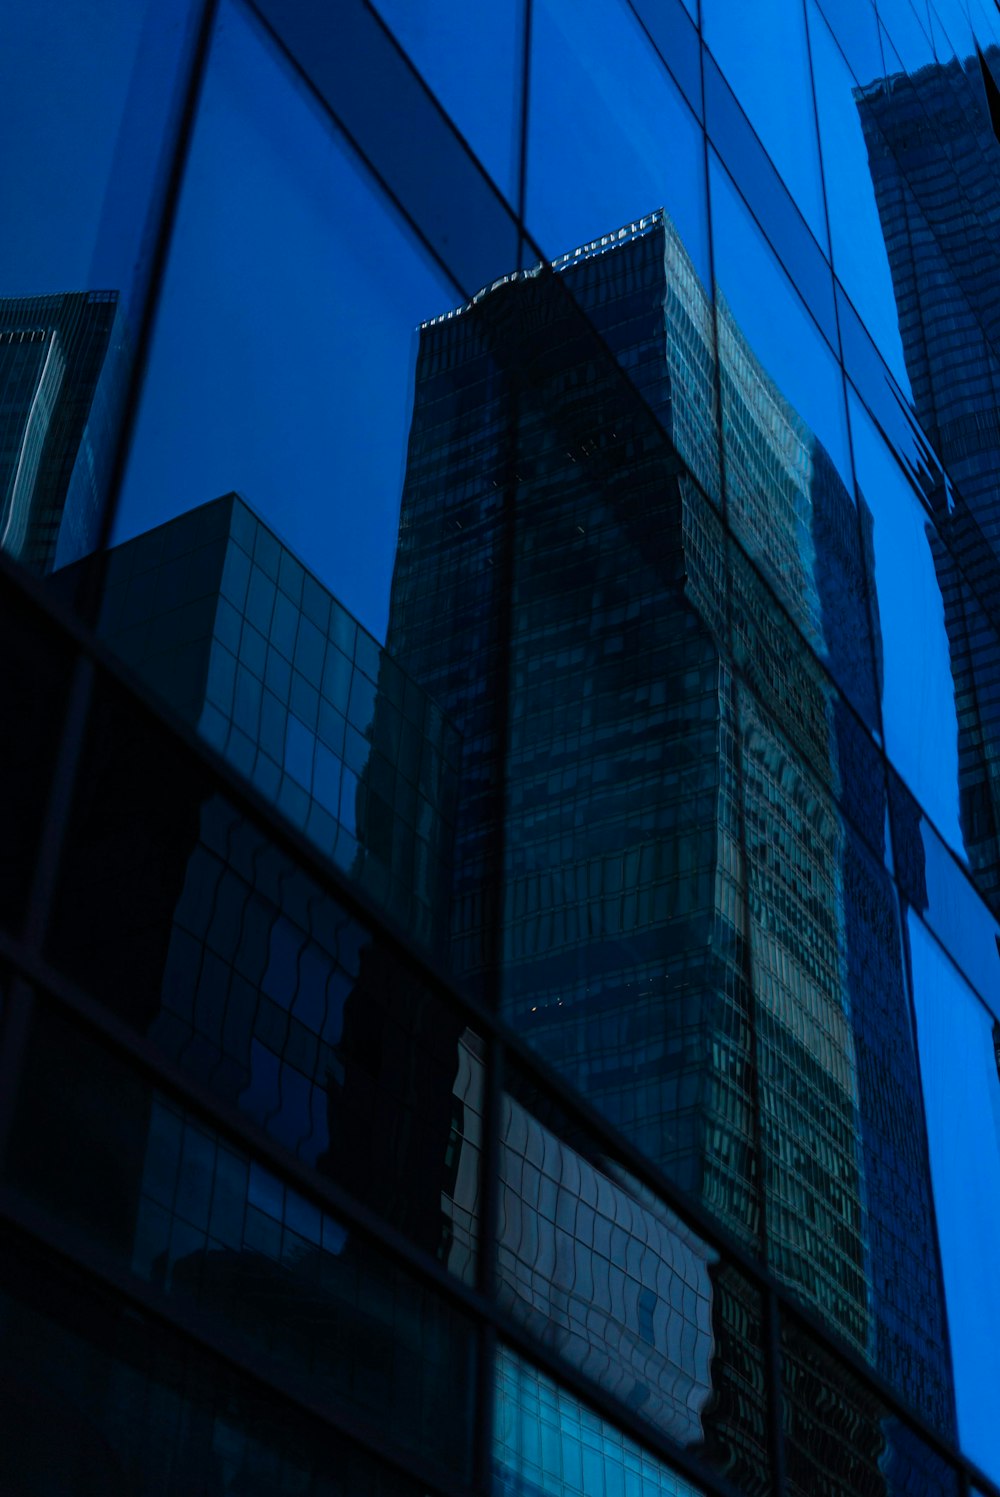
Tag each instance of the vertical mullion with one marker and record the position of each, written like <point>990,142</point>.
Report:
<point>486,1262</point>
<point>772,1378</point>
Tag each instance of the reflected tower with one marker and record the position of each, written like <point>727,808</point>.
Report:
<point>933,156</point>
<point>60,385</point>
<point>654,880</point>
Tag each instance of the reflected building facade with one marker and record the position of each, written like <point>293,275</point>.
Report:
<point>61,386</point>
<point>235,964</point>
<point>934,161</point>
<point>663,859</point>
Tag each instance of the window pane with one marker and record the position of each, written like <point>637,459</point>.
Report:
<point>762,50</point>
<point>82,171</point>
<point>859,252</point>
<point>916,660</point>
<point>472,59</point>
<point>958,1061</point>
<point>300,394</point>
<point>634,147</point>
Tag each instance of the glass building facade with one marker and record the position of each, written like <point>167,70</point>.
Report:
<point>499,911</point>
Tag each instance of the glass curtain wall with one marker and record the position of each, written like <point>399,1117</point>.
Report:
<point>500,560</point>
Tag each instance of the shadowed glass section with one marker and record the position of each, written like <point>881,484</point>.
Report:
<point>245,644</point>
<point>859,252</point>
<point>763,52</point>
<point>841,1439</point>
<point>472,60</point>
<point>172,1202</point>
<point>30,727</point>
<point>191,924</point>
<point>103,1401</point>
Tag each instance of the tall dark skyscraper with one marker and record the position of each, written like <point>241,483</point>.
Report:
<point>934,163</point>
<point>60,385</point>
<point>637,706</point>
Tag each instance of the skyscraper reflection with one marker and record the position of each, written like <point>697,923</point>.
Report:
<point>60,387</point>
<point>670,833</point>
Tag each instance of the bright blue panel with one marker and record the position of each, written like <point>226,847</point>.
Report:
<point>962,1098</point>
<point>471,56</point>
<point>763,52</point>
<point>283,357</point>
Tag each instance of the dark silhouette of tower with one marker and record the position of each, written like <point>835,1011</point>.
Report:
<point>934,156</point>
<point>60,385</point>
<point>655,879</point>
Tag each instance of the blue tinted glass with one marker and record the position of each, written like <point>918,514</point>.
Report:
<point>855,26</point>
<point>884,398</point>
<point>471,57</point>
<point>283,350</point>
<point>951,32</point>
<point>676,40</point>
<point>88,113</point>
<point>985,23</point>
<point>773,320</point>
<point>80,161</point>
<point>906,38</point>
<point>938,887</point>
<point>768,198</point>
<point>958,1060</point>
<point>402,132</point>
<point>859,253</point>
<point>633,145</point>
<point>762,50</point>
<point>910,617</point>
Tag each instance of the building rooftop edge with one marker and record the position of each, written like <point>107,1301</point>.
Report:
<point>623,235</point>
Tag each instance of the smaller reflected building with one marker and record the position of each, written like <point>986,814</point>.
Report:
<point>229,627</point>
<point>61,360</point>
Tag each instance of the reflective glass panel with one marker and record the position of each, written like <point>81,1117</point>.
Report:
<point>773,320</point>
<point>768,197</point>
<point>855,25</point>
<point>842,1438</point>
<point>89,110</point>
<point>852,1236</point>
<point>189,922</point>
<point>301,396</point>
<point>951,32</point>
<point>935,884</point>
<point>763,51</point>
<point>676,40</point>
<point>472,60</point>
<point>906,35</point>
<point>849,162</point>
<point>634,145</point>
<point>958,1060</point>
<point>916,663</point>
